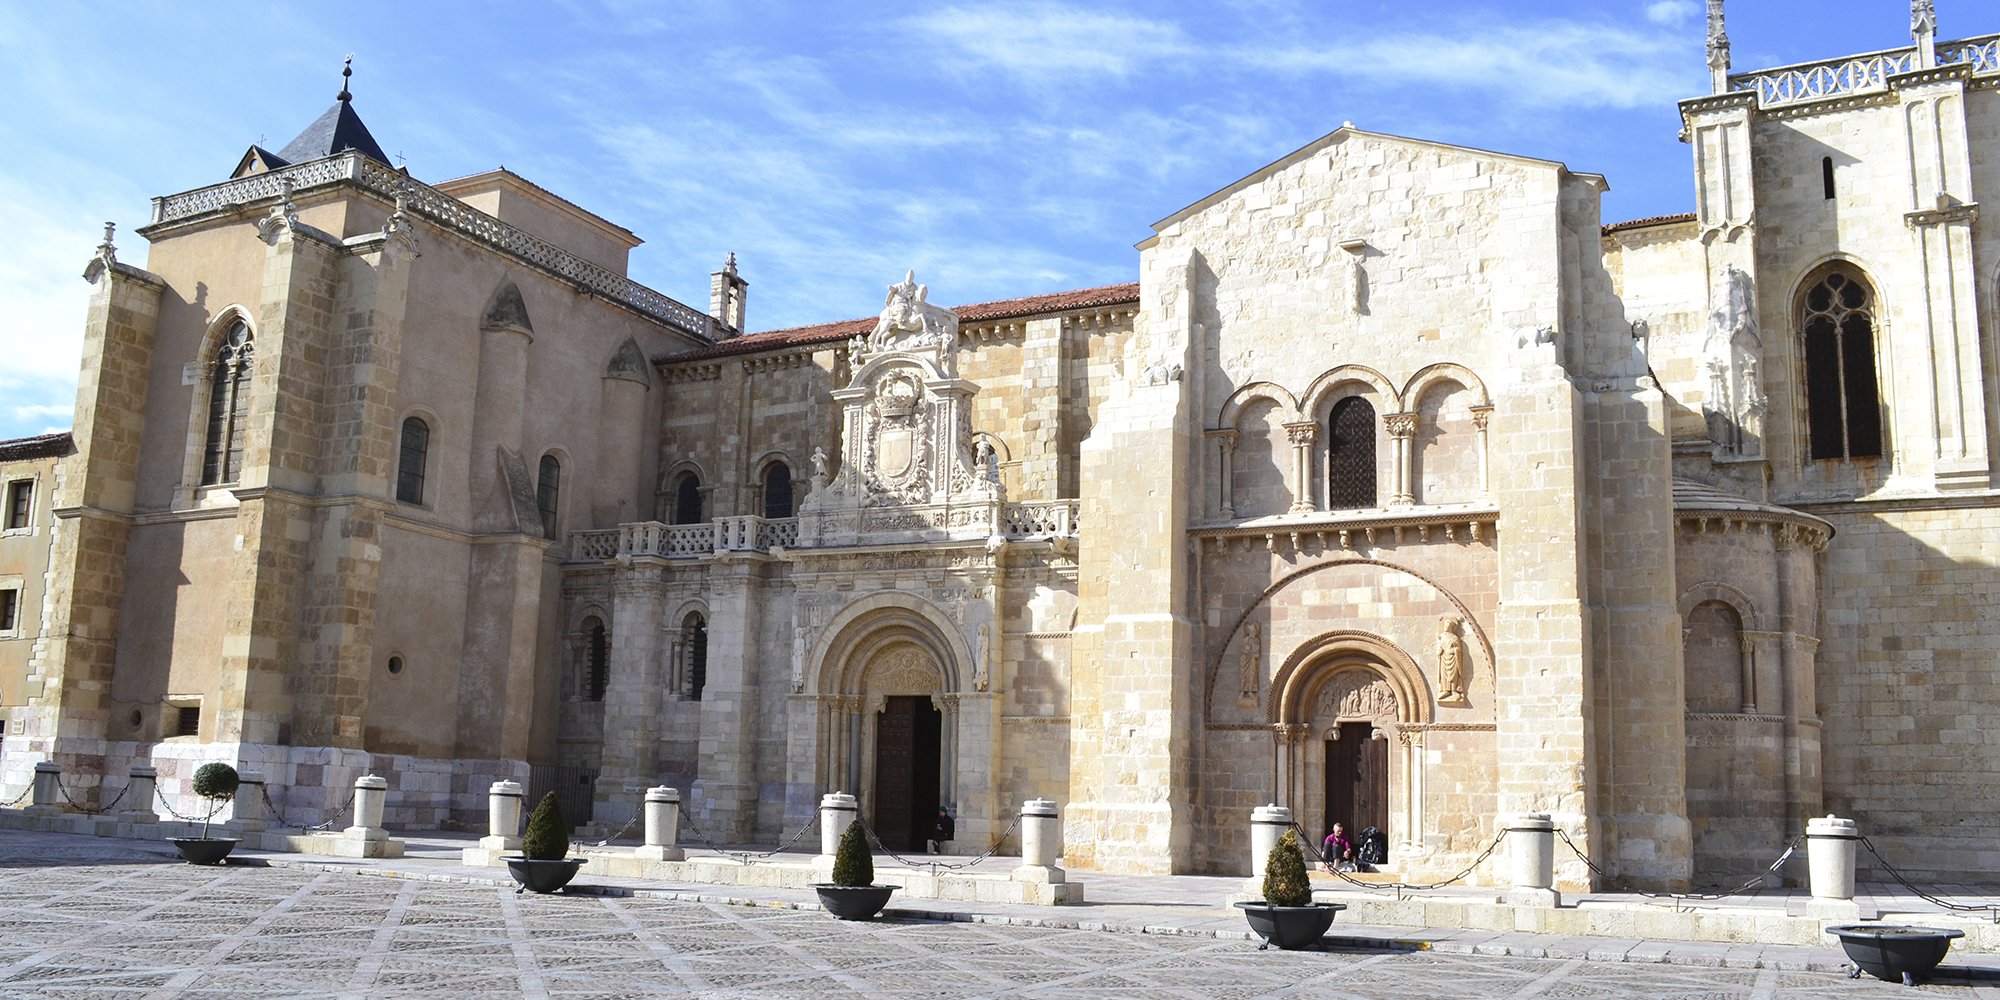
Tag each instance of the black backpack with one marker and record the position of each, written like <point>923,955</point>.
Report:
<point>1374,847</point>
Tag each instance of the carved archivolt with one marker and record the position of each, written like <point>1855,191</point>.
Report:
<point>1319,670</point>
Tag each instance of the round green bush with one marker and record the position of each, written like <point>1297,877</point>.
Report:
<point>215,781</point>
<point>853,864</point>
<point>1285,881</point>
<point>547,836</point>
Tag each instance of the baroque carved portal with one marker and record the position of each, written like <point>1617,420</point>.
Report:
<point>908,460</point>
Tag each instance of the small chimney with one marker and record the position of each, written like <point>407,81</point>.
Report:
<point>726,293</point>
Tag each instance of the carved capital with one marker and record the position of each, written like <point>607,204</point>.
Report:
<point>1303,433</point>
<point>1481,416</point>
<point>1400,425</point>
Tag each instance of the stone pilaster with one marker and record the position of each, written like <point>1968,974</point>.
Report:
<point>633,697</point>
<point>1041,405</point>
<point>1132,662</point>
<point>69,678</point>
<point>1545,701</point>
<point>724,797</point>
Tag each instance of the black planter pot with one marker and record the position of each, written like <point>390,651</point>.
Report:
<point>543,876</point>
<point>1896,953</point>
<point>204,850</point>
<point>853,902</point>
<point>1289,927</point>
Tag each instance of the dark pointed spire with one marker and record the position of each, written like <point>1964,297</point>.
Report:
<point>338,130</point>
<point>346,71</point>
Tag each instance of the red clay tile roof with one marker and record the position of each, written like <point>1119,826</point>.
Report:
<point>823,333</point>
<point>39,446</point>
<point>1653,220</point>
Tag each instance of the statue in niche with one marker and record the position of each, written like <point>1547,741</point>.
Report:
<point>1735,407</point>
<point>910,322</point>
<point>980,680</point>
<point>1250,665</point>
<point>801,647</point>
<point>1452,677</point>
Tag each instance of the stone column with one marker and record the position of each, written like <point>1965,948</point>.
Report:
<point>1401,427</point>
<point>1302,435</point>
<point>141,786</point>
<point>1531,847</point>
<point>836,811</point>
<point>663,820</point>
<point>1041,841</point>
<point>247,809</point>
<point>1226,440</point>
<point>1831,844</point>
<point>1481,416</point>
<point>1268,824</point>
<point>45,798</point>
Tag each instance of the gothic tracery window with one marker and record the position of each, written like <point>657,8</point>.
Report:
<point>410,461</point>
<point>228,407</point>
<point>687,499</point>
<point>1350,455</point>
<point>778,490</point>
<point>548,489</point>
<point>1843,405</point>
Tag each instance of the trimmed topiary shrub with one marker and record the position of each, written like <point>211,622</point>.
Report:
<point>212,781</point>
<point>547,836</point>
<point>853,864</point>
<point>1285,881</point>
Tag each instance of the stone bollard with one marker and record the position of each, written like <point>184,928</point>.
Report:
<point>503,817</point>
<point>1041,842</point>
<point>1268,824</point>
<point>663,821</point>
<point>141,787</point>
<point>1531,845</point>
<point>371,793</point>
<point>1831,844</point>
<point>45,795</point>
<point>247,812</point>
<point>836,811</point>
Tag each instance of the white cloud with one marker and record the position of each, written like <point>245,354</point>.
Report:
<point>1671,12</point>
<point>1042,44</point>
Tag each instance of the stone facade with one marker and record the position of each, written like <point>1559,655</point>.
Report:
<point>1398,489</point>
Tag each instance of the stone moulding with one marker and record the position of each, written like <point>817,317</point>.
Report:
<point>439,209</point>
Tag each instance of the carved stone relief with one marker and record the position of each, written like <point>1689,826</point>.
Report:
<point>1735,406</point>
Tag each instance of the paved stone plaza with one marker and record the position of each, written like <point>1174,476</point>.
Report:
<point>101,918</point>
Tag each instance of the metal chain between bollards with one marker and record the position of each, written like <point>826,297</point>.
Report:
<point>1993,909</point>
<point>1753,884</point>
<point>328,824</point>
<point>623,830</point>
<point>746,856</point>
<point>18,799</point>
<point>1398,887</point>
<point>937,866</point>
<point>161,794</point>
<point>86,810</point>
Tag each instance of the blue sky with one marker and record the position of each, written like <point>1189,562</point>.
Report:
<point>999,149</point>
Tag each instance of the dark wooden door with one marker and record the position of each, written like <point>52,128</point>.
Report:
<point>906,772</point>
<point>1357,781</point>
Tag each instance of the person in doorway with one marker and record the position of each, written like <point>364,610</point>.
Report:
<point>1336,850</point>
<point>943,831</point>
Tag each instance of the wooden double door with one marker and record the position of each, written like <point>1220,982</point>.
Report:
<point>907,772</point>
<point>1357,781</point>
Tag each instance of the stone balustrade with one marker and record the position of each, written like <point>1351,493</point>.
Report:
<point>1863,74</point>
<point>1026,521</point>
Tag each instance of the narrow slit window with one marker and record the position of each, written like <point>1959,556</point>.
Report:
<point>1826,175</point>
<point>548,488</point>
<point>410,463</point>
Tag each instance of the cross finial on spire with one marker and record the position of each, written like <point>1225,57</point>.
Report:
<point>1718,48</point>
<point>346,71</point>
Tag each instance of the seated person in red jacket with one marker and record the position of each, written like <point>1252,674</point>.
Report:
<point>1337,849</point>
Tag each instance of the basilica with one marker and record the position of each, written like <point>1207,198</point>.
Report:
<point>1397,488</point>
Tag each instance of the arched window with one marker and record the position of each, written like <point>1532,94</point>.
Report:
<point>778,490</point>
<point>1836,318</point>
<point>694,633</point>
<point>548,485</point>
<point>1350,455</point>
<point>228,407</point>
<point>596,659</point>
<point>687,499</point>
<point>410,463</point>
